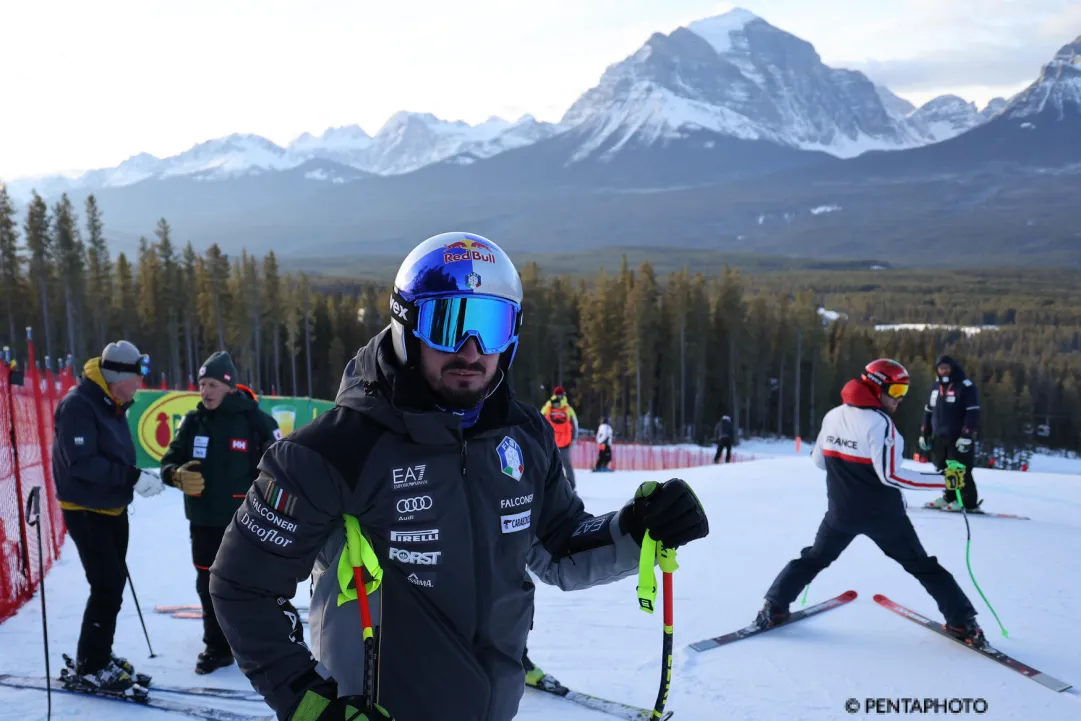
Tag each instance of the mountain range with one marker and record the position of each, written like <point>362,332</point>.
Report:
<point>729,133</point>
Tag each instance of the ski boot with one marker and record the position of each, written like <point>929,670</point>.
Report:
<point>968,631</point>
<point>108,681</point>
<point>771,615</point>
<point>537,678</point>
<point>211,660</point>
<point>940,503</point>
<point>122,663</point>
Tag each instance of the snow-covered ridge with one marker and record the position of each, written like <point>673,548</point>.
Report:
<point>406,142</point>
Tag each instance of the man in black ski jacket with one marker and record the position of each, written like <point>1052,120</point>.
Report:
<point>96,477</point>
<point>951,420</point>
<point>447,488</point>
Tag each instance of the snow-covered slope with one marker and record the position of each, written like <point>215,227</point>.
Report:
<point>598,641</point>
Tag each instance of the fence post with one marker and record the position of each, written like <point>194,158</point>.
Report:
<point>46,461</point>
<point>23,541</point>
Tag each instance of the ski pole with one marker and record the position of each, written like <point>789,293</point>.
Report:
<point>968,548</point>
<point>654,552</point>
<point>33,518</point>
<point>360,557</point>
<point>806,590</point>
<point>138,610</point>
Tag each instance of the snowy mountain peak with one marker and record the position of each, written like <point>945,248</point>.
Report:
<point>994,107</point>
<point>895,105</point>
<point>346,136</point>
<point>945,117</point>
<point>718,30</point>
<point>1056,92</point>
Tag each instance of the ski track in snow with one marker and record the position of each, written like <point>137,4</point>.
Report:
<point>597,641</point>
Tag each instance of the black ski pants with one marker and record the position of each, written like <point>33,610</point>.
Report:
<point>897,538</point>
<point>604,456</point>
<point>725,445</point>
<point>102,543</point>
<point>945,449</point>
<point>205,541</point>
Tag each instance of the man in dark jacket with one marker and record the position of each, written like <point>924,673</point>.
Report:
<point>213,459</point>
<point>724,440</point>
<point>950,421</point>
<point>452,487</point>
<point>95,474</point>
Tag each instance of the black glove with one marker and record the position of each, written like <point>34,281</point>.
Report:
<point>315,706</point>
<point>670,510</point>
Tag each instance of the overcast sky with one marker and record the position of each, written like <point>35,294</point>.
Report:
<point>88,84</point>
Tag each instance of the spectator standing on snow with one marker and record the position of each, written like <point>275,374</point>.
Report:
<point>564,422</point>
<point>724,435</point>
<point>94,469</point>
<point>213,460</point>
<point>951,420</point>
<point>604,445</point>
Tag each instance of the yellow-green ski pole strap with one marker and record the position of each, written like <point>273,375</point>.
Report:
<point>647,581</point>
<point>357,552</point>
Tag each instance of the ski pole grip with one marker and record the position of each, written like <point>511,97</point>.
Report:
<point>33,506</point>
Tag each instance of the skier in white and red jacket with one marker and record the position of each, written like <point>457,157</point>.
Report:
<point>861,451</point>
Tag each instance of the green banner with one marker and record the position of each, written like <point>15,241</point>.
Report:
<point>155,415</point>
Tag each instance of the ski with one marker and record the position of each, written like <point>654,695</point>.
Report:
<point>196,608</point>
<point>198,615</point>
<point>550,685</point>
<point>753,630</point>
<point>987,650</point>
<point>977,512</point>
<point>62,685</point>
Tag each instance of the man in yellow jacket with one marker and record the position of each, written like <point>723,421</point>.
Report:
<point>565,424</point>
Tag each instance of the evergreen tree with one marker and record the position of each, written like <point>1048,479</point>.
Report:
<point>42,264</point>
<point>11,281</point>
<point>99,274</point>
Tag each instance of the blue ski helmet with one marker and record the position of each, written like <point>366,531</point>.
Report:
<point>452,287</point>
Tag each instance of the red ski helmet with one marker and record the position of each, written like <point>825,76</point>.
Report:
<point>887,375</point>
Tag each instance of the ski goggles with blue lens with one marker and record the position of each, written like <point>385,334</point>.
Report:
<point>140,367</point>
<point>445,324</point>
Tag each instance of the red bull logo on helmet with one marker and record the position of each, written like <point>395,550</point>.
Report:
<point>468,249</point>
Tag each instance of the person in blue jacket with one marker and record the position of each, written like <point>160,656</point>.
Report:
<point>96,476</point>
<point>951,420</point>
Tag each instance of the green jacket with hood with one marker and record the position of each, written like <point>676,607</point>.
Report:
<point>455,518</point>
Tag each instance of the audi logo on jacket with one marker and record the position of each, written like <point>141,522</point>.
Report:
<point>861,451</point>
<point>468,513</point>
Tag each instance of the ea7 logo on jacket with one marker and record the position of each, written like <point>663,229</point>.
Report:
<point>843,442</point>
<point>238,444</point>
<point>415,558</point>
<point>409,477</point>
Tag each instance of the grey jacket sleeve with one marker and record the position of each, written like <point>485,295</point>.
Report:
<point>575,549</point>
<point>290,511</point>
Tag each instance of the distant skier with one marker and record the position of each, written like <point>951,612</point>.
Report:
<point>564,422</point>
<point>724,439</point>
<point>604,446</point>
<point>950,421</point>
<point>861,452</point>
